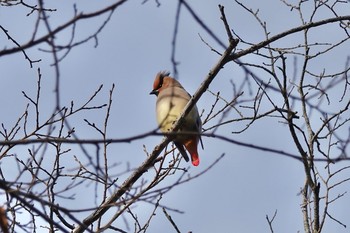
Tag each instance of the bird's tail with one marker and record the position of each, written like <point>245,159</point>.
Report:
<point>195,159</point>
<point>191,146</point>
<point>182,151</point>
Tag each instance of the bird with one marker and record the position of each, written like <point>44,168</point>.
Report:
<point>171,101</point>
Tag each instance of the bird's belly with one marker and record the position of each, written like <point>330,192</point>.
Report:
<point>168,113</point>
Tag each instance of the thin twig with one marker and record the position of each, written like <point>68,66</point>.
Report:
<point>171,220</point>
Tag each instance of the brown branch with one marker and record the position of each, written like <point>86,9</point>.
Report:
<point>171,220</point>
<point>270,221</point>
<point>53,140</point>
<point>19,48</point>
<point>158,149</point>
<point>30,206</point>
<point>74,20</point>
<point>264,43</point>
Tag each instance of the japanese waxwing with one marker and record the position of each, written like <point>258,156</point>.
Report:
<point>171,101</point>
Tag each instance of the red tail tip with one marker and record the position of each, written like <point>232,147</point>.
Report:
<point>195,162</point>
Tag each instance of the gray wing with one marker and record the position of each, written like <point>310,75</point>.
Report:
<point>182,151</point>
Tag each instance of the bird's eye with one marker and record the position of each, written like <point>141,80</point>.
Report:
<point>160,84</point>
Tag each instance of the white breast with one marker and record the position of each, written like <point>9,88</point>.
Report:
<point>170,104</point>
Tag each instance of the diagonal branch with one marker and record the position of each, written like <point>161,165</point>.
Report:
<point>158,149</point>
<point>55,31</point>
<point>286,33</point>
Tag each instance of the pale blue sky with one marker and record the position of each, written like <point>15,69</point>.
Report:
<point>246,185</point>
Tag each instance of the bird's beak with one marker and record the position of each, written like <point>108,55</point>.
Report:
<point>154,92</point>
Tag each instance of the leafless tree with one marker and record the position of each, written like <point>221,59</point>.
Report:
<point>280,85</point>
